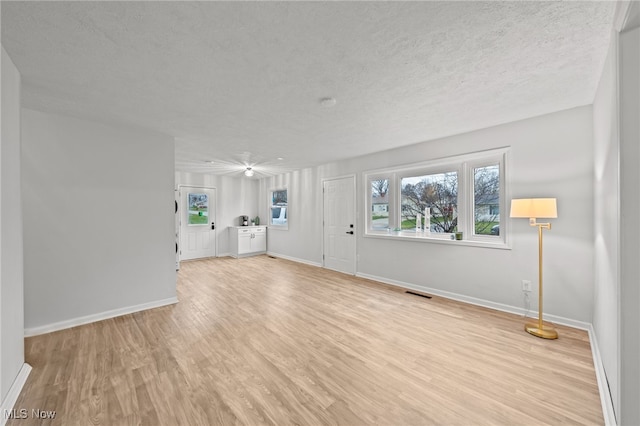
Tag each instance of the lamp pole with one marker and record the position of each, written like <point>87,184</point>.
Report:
<point>539,329</point>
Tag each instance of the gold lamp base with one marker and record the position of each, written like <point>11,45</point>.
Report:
<point>546,332</point>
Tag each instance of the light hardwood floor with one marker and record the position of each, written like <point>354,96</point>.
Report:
<point>267,341</point>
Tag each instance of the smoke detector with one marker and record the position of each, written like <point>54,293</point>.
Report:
<point>328,102</point>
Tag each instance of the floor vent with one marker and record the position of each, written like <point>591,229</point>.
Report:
<point>418,294</point>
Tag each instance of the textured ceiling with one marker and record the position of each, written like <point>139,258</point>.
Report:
<point>241,82</point>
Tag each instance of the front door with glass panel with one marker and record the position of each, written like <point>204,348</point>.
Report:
<point>197,223</point>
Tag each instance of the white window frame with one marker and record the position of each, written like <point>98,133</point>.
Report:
<point>369,192</point>
<point>464,165</point>
<point>471,165</point>
<point>285,226</point>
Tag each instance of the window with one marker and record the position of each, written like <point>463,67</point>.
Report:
<point>435,196</point>
<point>486,200</point>
<point>457,197</point>
<point>279,208</point>
<point>379,204</point>
<point>198,209</point>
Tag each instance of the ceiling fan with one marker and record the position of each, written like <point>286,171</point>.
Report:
<point>242,164</point>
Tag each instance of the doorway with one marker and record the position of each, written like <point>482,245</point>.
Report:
<point>197,210</point>
<point>339,220</point>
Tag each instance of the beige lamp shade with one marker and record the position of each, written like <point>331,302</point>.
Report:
<point>534,208</point>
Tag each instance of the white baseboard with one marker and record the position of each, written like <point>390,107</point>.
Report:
<point>475,301</point>
<point>608,411</point>
<point>14,392</point>
<point>34,331</point>
<point>294,259</point>
<point>224,255</point>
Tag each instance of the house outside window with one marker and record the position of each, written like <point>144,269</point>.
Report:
<point>486,190</point>
<point>379,203</point>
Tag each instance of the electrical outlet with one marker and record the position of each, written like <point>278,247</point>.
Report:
<point>526,285</point>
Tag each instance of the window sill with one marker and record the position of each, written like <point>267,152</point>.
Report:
<point>437,238</point>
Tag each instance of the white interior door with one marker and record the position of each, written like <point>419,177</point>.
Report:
<point>197,207</point>
<point>340,224</point>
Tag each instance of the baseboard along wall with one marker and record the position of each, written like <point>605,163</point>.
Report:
<point>14,392</point>
<point>62,325</point>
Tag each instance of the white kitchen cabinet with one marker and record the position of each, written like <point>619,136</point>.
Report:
<point>247,240</point>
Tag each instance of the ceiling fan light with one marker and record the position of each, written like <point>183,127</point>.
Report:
<point>248,172</point>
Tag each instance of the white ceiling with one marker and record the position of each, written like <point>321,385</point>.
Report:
<point>240,82</point>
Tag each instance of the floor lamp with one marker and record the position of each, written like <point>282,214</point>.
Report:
<point>537,208</point>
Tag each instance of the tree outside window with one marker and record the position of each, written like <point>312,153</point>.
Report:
<point>380,204</point>
<point>486,200</point>
<point>438,192</point>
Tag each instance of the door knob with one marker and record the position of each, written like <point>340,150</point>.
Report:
<point>213,226</point>
<point>350,232</point>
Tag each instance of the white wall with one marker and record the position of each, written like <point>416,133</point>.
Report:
<point>606,220</point>
<point>11,270</point>
<point>235,197</point>
<point>630,226</point>
<point>303,239</point>
<point>551,156</point>
<point>99,220</point>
